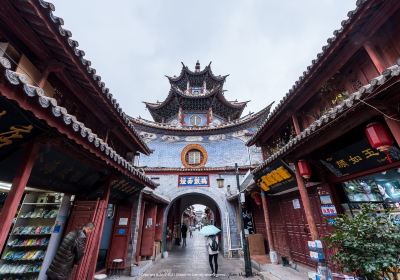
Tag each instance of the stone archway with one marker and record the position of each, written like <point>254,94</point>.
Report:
<point>212,199</point>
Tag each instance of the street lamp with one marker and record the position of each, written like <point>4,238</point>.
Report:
<point>247,261</point>
<point>220,182</point>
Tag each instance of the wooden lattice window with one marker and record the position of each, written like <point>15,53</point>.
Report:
<point>195,120</point>
<point>194,157</point>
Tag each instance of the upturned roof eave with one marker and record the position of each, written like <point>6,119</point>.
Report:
<point>44,10</point>
<point>185,70</point>
<point>328,50</point>
<point>262,114</point>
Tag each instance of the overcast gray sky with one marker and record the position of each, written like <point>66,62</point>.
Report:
<point>263,44</point>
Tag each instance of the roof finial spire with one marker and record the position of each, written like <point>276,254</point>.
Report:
<point>197,68</point>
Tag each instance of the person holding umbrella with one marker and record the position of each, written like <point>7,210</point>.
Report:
<point>212,246</point>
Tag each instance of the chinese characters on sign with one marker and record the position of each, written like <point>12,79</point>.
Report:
<point>14,132</point>
<point>193,181</point>
<point>328,210</point>
<point>357,157</point>
<point>12,129</point>
<point>274,177</point>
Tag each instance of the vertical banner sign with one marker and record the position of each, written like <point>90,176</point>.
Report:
<point>193,181</point>
<point>248,222</point>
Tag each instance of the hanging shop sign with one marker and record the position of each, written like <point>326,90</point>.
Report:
<point>358,157</point>
<point>316,250</point>
<point>15,128</point>
<point>193,181</point>
<point>328,210</point>
<point>248,223</point>
<point>325,199</point>
<point>277,175</point>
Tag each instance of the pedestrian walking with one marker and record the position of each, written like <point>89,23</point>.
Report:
<point>184,230</point>
<point>213,248</point>
<point>190,231</point>
<point>69,253</point>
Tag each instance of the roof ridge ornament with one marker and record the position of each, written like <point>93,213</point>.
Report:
<point>197,67</point>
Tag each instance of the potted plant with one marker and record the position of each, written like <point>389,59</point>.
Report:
<point>367,245</point>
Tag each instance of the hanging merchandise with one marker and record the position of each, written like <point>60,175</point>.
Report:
<point>36,229</point>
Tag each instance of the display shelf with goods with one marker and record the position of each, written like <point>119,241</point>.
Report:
<point>29,239</point>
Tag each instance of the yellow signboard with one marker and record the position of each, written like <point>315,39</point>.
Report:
<point>276,176</point>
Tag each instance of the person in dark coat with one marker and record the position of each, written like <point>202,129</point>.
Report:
<point>69,253</point>
<point>184,230</point>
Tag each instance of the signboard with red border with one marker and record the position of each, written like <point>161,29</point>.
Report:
<point>193,181</point>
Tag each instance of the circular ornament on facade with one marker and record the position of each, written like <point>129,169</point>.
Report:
<point>194,156</point>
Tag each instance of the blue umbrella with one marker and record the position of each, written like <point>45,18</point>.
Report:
<point>209,230</point>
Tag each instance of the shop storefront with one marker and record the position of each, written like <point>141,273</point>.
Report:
<point>285,215</point>
<point>363,173</point>
<point>35,235</point>
<point>58,158</point>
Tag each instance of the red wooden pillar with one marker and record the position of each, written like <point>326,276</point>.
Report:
<point>272,252</point>
<point>140,233</point>
<point>303,191</point>
<point>296,125</point>
<point>159,223</point>
<point>147,247</point>
<point>375,58</point>
<point>13,199</point>
<point>306,204</point>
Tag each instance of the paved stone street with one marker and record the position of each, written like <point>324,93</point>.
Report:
<point>192,263</point>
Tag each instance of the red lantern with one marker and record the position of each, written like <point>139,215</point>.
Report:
<point>378,137</point>
<point>304,169</point>
<point>256,197</point>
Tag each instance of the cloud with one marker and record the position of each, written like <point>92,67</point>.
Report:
<point>263,45</point>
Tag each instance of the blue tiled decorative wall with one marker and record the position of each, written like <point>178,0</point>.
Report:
<point>223,150</point>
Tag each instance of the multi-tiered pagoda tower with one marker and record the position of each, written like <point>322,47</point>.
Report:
<point>197,136</point>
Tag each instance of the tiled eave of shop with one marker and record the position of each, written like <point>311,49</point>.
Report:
<point>334,114</point>
<point>57,116</point>
<point>40,17</point>
<point>329,50</point>
<point>158,198</point>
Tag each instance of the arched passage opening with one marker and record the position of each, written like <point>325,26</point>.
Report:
<point>176,214</point>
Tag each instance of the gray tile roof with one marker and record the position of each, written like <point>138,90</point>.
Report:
<point>37,94</point>
<point>326,50</point>
<point>330,116</point>
<point>83,73</point>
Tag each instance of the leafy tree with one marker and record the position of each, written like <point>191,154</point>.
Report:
<point>367,245</point>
